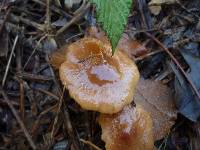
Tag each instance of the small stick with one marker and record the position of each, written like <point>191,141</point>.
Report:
<point>80,8</point>
<point>36,123</point>
<point>34,77</point>
<point>184,8</point>
<point>176,62</point>
<point>4,21</point>
<point>9,61</point>
<point>27,22</point>
<point>53,8</point>
<point>47,93</point>
<point>70,130</point>
<point>67,121</point>
<point>57,114</point>
<point>21,86</point>
<point>38,43</point>
<point>90,144</point>
<point>73,20</point>
<point>33,146</point>
<point>48,16</point>
<point>147,55</point>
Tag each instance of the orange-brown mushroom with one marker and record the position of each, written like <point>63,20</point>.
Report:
<point>130,129</point>
<point>95,79</point>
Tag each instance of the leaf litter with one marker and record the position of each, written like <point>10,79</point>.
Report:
<point>36,91</point>
<point>157,99</point>
<point>186,101</point>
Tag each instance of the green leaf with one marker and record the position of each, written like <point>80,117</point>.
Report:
<point>113,16</point>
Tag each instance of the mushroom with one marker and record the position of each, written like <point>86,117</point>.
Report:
<point>130,129</point>
<point>96,80</point>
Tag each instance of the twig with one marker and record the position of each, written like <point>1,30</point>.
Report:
<point>47,93</point>
<point>38,43</point>
<point>21,87</point>
<point>142,6</point>
<point>30,95</point>
<point>33,146</point>
<point>34,77</point>
<point>9,61</point>
<point>67,120</point>
<point>73,20</point>
<point>5,19</point>
<point>53,8</point>
<point>87,124</point>
<point>2,5</point>
<point>70,130</point>
<point>36,124</point>
<point>48,16</point>
<point>57,115</point>
<point>80,8</point>
<point>176,62</point>
<point>27,21</point>
<point>184,8</point>
<point>147,55</point>
<point>90,144</point>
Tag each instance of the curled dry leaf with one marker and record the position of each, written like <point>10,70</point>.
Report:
<point>155,5</point>
<point>58,57</point>
<point>127,130</point>
<point>69,3</point>
<point>160,2</point>
<point>155,10</point>
<point>157,99</point>
<point>187,102</point>
<point>131,47</point>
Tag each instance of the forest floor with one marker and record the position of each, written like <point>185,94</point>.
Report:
<point>35,110</point>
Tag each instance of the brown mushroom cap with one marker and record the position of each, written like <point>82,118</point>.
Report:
<point>130,129</point>
<point>95,79</point>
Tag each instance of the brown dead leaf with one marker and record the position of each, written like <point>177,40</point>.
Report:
<point>160,2</point>
<point>155,5</point>
<point>95,33</point>
<point>58,57</point>
<point>157,99</point>
<point>70,3</point>
<point>131,47</point>
<point>155,10</point>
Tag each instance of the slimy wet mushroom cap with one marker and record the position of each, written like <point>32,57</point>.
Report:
<point>96,80</point>
<point>130,129</point>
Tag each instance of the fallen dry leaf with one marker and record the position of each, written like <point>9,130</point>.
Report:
<point>160,2</point>
<point>95,33</point>
<point>58,57</point>
<point>157,99</point>
<point>155,10</point>
<point>155,5</point>
<point>131,47</point>
<point>69,3</point>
